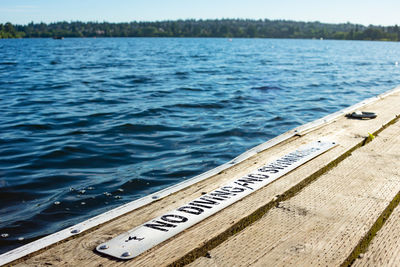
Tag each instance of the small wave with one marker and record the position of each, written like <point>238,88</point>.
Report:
<point>181,73</point>
<point>142,79</point>
<point>26,103</point>
<point>178,174</point>
<point>133,79</point>
<point>200,105</point>
<point>8,63</point>
<point>22,191</point>
<point>324,64</point>
<point>266,62</point>
<point>191,89</point>
<point>125,77</point>
<point>151,112</point>
<point>78,123</point>
<point>76,132</point>
<point>60,86</point>
<point>232,132</point>
<point>318,99</point>
<point>14,140</point>
<point>100,114</point>
<point>321,71</point>
<point>277,118</point>
<point>160,94</point>
<point>81,156</point>
<point>202,57</point>
<point>141,128</point>
<point>313,109</point>
<point>237,79</point>
<point>267,87</point>
<point>89,67</point>
<point>104,101</point>
<point>205,71</point>
<point>363,63</point>
<point>62,152</point>
<point>315,84</point>
<point>33,127</point>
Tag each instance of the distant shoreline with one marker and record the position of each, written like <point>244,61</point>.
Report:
<point>174,37</point>
<point>225,28</point>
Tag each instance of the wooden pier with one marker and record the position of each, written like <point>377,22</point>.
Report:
<point>340,208</point>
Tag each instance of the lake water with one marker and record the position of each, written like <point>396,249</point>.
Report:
<point>87,125</point>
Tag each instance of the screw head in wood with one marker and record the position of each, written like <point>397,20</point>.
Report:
<point>102,247</point>
<point>126,254</point>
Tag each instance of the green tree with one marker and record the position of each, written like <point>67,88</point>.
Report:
<point>203,28</point>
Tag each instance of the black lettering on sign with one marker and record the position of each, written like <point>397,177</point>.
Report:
<point>191,210</point>
<point>268,169</point>
<point>221,194</point>
<point>293,157</point>
<point>159,225</point>
<point>204,203</point>
<point>287,159</point>
<point>249,180</point>
<point>276,165</point>
<point>216,198</point>
<point>283,162</point>
<point>258,176</point>
<point>298,154</point>
<point>243,184</point>
<point>134,238</point>
<point>172,218</point>
<point>231,189</point>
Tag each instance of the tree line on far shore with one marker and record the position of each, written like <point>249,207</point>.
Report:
<point>228,28</point>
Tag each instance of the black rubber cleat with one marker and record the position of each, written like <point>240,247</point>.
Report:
<point>362,115</point>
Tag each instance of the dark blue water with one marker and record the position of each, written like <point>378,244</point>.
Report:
<point>89,124</point>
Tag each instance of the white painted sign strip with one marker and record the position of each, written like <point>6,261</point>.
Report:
<point>136,241</point>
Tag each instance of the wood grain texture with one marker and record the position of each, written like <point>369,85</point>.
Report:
<point>79,251</point>
<point>325,221</point>
<point>384,250</point>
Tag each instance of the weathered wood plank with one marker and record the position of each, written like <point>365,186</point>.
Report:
<point>324,222</point>
<point>384,250</point>
<point>79,251</point>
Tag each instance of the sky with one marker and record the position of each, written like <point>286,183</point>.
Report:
<point>383,12</point>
